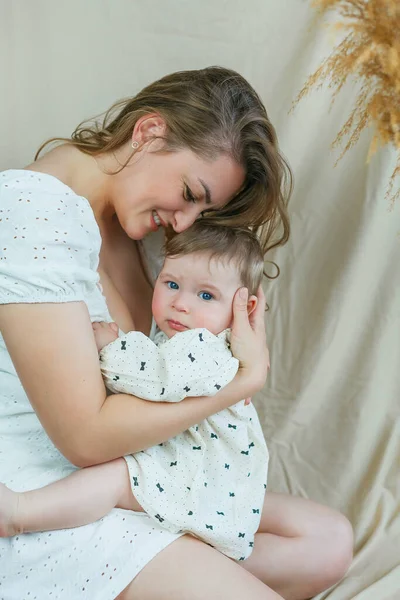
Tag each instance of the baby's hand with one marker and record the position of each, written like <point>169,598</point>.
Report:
<point>104,333</point>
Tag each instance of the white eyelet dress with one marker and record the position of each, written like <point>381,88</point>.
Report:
<point>49,252</point>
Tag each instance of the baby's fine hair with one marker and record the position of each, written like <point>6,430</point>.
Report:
<point>236,244</point>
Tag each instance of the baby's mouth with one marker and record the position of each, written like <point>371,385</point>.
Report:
<point>176,325</point>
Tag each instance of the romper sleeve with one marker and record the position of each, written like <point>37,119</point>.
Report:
<point>191,363</point>
<point>49,241</point>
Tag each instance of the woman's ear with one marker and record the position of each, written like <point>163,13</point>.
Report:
<point>251,304</point>
<point>147,128</point>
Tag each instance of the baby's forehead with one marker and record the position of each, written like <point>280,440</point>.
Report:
<point>197,263</point>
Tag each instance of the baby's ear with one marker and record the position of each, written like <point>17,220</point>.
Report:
<point>251,304</point>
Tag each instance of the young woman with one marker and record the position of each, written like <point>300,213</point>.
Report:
<point>193,142</point>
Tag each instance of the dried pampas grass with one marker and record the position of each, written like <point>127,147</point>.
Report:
<point>370,51</point>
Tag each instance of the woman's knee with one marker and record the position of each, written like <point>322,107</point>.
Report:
<point>339,543</point>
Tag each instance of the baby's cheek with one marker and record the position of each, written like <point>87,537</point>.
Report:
<point>158,306</point>
<point>224,319</point>
<point>214,320</point>
<point>203,320</point>
<point>155,309</point>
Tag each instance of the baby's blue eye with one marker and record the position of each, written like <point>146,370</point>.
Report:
<point>206,296</point>
<point>172,285</point>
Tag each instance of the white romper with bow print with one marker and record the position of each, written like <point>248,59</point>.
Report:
<point>209,480</point>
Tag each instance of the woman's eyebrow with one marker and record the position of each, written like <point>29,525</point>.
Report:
<point>207,191</point>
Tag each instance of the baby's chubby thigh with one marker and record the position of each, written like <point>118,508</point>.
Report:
<point>116,473</point>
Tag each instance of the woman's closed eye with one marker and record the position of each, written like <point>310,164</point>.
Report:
<point>188,195</point>
<point>206,296</point>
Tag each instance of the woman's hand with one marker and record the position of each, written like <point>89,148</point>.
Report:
<point>248,340</point>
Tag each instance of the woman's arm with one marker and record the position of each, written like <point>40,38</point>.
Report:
<point>54,352</point>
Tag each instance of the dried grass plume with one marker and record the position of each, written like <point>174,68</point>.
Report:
<point>370,52</point>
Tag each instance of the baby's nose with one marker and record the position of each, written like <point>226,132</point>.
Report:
<point>181,304</point>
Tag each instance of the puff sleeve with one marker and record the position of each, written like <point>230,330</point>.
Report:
<point>49,241</point>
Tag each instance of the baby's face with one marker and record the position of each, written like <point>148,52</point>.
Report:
<point>193,291</point>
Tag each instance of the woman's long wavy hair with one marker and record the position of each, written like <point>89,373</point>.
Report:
<point>211,111</point>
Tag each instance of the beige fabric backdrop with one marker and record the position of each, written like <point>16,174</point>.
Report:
<point>331,406</point>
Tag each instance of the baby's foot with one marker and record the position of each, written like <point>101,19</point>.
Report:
<point>9,509</point>
<point>104,333</point>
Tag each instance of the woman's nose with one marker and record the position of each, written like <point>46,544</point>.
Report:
<point>183,219</point>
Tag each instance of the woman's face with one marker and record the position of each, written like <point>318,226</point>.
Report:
<point>161,188</point>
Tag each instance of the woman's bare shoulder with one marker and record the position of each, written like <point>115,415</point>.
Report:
<point>58,162</point>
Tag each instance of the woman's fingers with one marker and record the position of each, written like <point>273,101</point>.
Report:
<point>248,343</point>
<point>240,316</point>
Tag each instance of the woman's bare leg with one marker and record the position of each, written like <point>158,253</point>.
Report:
<point>189,569</point>
<point>302,547</point>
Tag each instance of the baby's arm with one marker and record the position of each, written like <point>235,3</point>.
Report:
<point>81,498</point>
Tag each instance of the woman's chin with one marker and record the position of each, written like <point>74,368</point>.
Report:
<point>137,233</point>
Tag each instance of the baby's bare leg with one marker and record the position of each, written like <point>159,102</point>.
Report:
<point>79,499</point>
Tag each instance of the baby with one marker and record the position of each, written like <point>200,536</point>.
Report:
<point>209,480</point>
